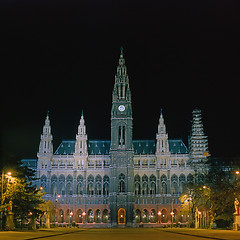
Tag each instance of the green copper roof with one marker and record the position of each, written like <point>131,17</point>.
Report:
<point>144,146</point>
<point>177,146</point>
<point>102,147</point>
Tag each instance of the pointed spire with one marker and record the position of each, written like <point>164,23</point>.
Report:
<point>121,90</point>
<point>81,137</point>
<point>121,54</point>
<point>161,125</point>
<point>162,136</point>
<point>121,59</point>
<point>47,121</point>
<point>46,137</point>
<point>161,115</point>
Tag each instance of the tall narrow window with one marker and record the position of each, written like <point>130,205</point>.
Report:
<point>121,183</point>
<point>119,135</point>
<point>123,135</point>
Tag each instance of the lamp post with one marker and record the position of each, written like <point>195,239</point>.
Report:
<point>84,214</point>
<point>159,216</point>
<point>9,222</point>
<point>2,199</point>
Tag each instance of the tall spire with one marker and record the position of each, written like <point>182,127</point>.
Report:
<point>121,90</point>
<point>81,137</point>
<point>198,140</point>
<point>162,136</point>
<point>46,145</point>
<point>121,54</point>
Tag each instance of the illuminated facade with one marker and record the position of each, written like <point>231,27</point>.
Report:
<point>120,181</point>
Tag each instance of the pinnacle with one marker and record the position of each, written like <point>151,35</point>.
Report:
<point>121,54</point>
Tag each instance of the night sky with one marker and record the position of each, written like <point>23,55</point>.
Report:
<point>62,57</point>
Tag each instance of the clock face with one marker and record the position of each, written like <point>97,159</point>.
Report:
<point>121,108</point>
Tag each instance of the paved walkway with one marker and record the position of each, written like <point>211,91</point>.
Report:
<point>206,233</point>
<point>126,233</point>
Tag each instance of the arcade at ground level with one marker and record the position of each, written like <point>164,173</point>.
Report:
<point>151,216</point>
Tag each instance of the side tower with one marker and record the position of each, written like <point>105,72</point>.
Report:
<point>81,153</point>
<point>121,194</point>
<point>162,152</point>
<point>45,152</point>
<point>199,152</point>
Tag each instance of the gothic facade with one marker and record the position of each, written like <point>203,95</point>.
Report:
<point>120,181</point>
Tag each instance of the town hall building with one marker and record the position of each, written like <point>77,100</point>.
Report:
<point>121,181</point>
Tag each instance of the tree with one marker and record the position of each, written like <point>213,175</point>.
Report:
<point>22,196</point>
<point>225,186</point>
<point>196,196</point>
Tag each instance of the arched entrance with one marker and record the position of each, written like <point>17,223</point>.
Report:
<point>121,216</point>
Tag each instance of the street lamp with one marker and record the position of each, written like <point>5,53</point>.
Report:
<point>172,213</point>
<point>84,214</point>
<point>159,216</point>
<point>1,215</point>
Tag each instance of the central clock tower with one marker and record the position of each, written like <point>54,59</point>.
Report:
<point>121,194</point>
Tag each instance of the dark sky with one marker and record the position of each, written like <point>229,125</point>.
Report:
<point>63,56</point>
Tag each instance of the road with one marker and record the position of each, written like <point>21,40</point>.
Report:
<point>121,234</point>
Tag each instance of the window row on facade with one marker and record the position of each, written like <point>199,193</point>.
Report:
<point>100,185</point>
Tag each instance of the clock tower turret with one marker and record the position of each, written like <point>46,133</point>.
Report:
<point>121,115</point>
<point>121,194</point>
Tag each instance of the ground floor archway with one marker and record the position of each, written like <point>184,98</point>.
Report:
<point>121,216</point>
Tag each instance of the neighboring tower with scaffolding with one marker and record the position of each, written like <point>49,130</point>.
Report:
<point>199,152</point>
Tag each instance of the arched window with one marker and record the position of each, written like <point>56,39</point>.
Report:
<point>145,216</point>
<point>69,190</point>
<point>164,217</point>
<point>80,185</point>
<point>61,216</point>
<point>62,184</point>
<point>137,185</point>
<point>80,188</point>
<point>190,178</point>
<point>122,183</point>
<point>137,188</point>
<point>53,188</point>
<point>90,216</point>
<point>174,184</point>
<point>90,187</point>
<point>79,178</point>
<point>105,185</point>
<point>106,189</point>
<point>163,178</point>
<point>164,188</point>
<point>43,182</point>
<point>54,178</point>
<point>105,216</point>
<point>144,185</point>
<point>175,216</point>
<point>79,216</point>
<point>153,216</point>
<point>98,216</point>
<point>152,184</point>
<point>182,180</point>
<point>121,135</point>
<point>164,184</point>
<point>174,188</point>
<point>174,178</point>
<point>98,185</point>
<point>138,216</point>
